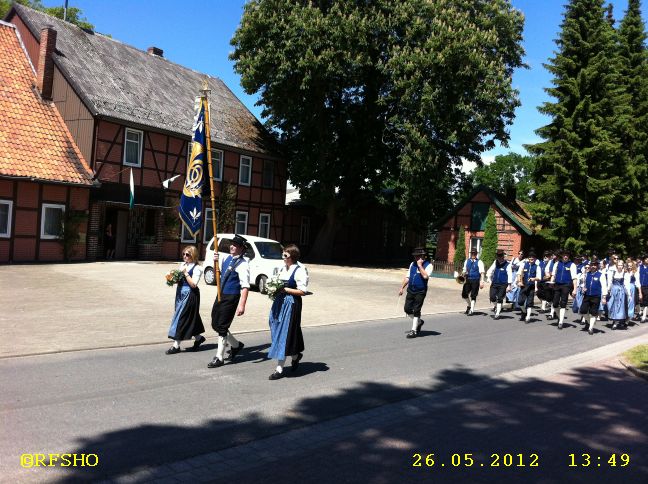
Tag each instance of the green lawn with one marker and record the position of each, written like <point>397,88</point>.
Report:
<point>638,357</point>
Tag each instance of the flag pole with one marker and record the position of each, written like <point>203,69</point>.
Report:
<point>205,99</point>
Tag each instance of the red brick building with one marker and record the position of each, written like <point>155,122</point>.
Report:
<point>45,181</point>
<point>128,109</point>
<point>514,231</point>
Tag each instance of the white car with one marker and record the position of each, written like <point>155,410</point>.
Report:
<point>263,255</point>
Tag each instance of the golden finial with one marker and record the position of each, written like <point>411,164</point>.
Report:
<point>205,87</point>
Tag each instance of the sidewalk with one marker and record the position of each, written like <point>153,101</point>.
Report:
<point>541,424</point>
<point>65,307</point>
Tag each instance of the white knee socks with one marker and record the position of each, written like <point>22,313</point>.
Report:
<point>176,343</point>
<point>280,365</point>
<point>415,322</point>
<point>232,341</point>
<point>644,314</point>
<point>472,305</point>
<point>561,317</point>
<point>222,342</point>
<point>591,322</point>
<point>498,308</point>
<point>528,315</point>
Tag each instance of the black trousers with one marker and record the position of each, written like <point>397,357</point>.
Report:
<point>470,288</point>
<point>644,293</point>
<point>497,292</point>
<point>414,303</point>
<point>527,293</point>
<point>590,305</point>
<point>223,313</point>
<point>547,292</point>
<point>561,294</point>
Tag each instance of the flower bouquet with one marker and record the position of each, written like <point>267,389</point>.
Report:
<point>274,287</point>
<point>173,277</point>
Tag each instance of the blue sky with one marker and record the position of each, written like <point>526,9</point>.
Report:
<point>161,23</point>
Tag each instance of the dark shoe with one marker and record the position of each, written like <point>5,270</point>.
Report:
<point>411,334</point>
<point>497,316</point>
<point>615,325</point>
<point>467,310</point>
<point>196,344</point>
<point>522,317</point>
<point>590,331</point>
<point>235,351</point>
<point>275,376</point>
<point>173,350</point>
<point>560,326</point>
<point>419,326</point>
<point>295,362</point>
<point>215,363</point>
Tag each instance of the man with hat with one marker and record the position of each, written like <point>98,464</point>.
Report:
<point>235,285</point>
<point>416,282</point>
<point>528,277</point>
<point>473,271</point>
<point>594,288</point>
<point>564,277</point>
<point>643,288</point>
<point>501,278</point>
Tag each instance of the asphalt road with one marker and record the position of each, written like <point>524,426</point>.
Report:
<point>137,406</point>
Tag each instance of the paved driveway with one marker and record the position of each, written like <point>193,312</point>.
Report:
<point>62,307</point>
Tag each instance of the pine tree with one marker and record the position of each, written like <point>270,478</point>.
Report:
<point>489,247</point>
<point>582,199</point>
<point>634,58</point>
<point>460,251</point>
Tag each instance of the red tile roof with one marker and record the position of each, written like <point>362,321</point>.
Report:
<point>34,141</point>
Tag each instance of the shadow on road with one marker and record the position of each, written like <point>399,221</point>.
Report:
<point>504,429</point>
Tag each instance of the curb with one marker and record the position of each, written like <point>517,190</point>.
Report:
<point>634,370</point>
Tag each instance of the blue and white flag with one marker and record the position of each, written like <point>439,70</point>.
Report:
<point>191,200</point>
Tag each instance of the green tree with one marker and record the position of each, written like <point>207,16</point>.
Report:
<point>368,95</point>
<point>489,246</point>
<point>582,198</point>
<point>634,59</point>
<point>508,174</point>
<point>74,14</point>
<point>460,251</point>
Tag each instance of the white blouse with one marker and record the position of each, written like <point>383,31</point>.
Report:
<point>197,272</point>
<point>301,275</point>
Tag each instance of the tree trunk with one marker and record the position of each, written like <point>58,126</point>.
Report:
<point>322,250</point>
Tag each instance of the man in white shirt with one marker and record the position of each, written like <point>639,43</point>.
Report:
<point>235,285</point>
<point>473,270</point>
<point>501,277</point>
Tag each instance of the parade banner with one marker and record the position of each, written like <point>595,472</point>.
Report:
<point>191,200</point>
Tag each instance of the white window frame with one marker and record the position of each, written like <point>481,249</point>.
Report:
<point>208,219</point>
<point>305,223</point>
<point>183,228</point>
<point>249,182</point>
<point>9,203</point>
<point>220,164</point>
<point>140,146</point>
<point>261,224</point>
<point>479,242</point>
<point>236,222</point>
<point>44,208</point>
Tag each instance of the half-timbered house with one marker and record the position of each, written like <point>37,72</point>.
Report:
<point>44,179</point>
<point>129,109</point>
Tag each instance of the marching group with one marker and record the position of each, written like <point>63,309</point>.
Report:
<point>600,288</point>
<point>285,314</point>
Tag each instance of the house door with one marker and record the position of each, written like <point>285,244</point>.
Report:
<point>121,234</point>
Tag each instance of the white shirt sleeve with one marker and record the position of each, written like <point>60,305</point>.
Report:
<point>197,273</point>
<point>301,278</point>
<point>604,285</point>
<point>429,269</point>
<point>465,267</point>
<point>480,264</point>
<point>573,272</point>
<point>408,270</point>
<point>243,271</point>
<point>509,274</point>
<point>491,269</point>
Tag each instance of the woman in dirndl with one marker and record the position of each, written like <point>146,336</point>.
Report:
<point>285,314</point>
<point>633,289</point>
<point>578,296</point>
<point>619,280</point>
<point>186,322</point>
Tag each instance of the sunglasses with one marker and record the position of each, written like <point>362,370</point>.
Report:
<point>285,256</point>
<point>186,254</point>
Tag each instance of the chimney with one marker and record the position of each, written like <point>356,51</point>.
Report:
<point>155,51</point>
<point>45,71</point>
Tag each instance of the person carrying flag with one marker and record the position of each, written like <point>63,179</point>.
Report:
<point>235,285</point>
